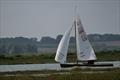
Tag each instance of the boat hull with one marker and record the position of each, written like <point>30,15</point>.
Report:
<point>92,65</point>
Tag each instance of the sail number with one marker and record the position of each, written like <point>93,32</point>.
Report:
<point>82,33</point>
<point>61,56</point>
<point>83,36</point>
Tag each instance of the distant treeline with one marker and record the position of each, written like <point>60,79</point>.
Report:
<point>18,45</point>
<point>91,37</point>
<point>30,45</point>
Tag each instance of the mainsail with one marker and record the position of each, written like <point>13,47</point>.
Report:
<point>62,49</point>
<point>84,49</point>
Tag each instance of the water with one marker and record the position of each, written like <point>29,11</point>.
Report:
<point>52,66</point>
<point>24,67</point>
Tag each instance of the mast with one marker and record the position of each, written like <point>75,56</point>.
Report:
<point>75,42</point>
<point>75,24</point>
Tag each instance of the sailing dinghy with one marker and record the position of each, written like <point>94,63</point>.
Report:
<point>84,50</point>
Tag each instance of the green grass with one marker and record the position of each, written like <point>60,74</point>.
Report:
<point>49,58</point>
<point>75,74</point>
<point>101,56</point>
<point>109,55</point>
<point>27,59</point>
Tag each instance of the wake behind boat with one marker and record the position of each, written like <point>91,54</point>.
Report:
<point>85,52</point>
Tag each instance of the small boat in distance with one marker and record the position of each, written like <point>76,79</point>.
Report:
<point>84,50</point>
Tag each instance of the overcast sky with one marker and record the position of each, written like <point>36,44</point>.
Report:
<point>37,18</point>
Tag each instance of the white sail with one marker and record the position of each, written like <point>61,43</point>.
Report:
<point>62,49</point>
<point>84,49</point>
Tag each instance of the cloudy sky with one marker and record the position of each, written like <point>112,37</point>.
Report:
<point>37,18</point>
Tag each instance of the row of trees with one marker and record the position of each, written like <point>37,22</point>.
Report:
<point>18,45</point>
<point>31,45</point>
<point>91,37</point>
<point>18,49</point>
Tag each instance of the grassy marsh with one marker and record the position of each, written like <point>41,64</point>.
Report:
<point>49,58</point>
<point>74,74</point>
